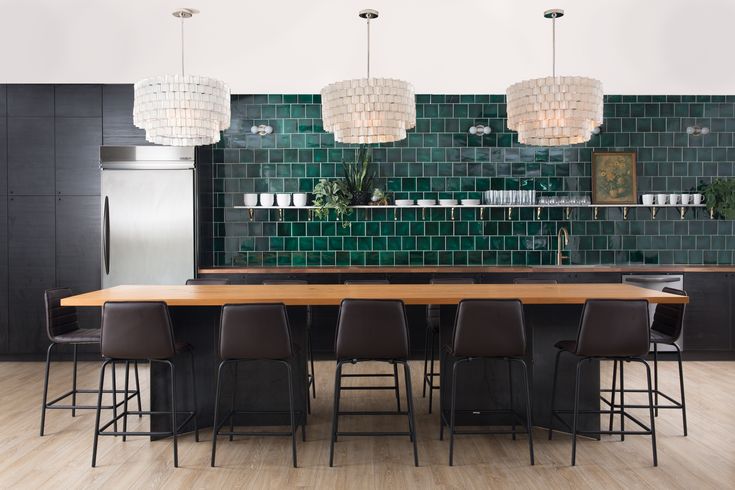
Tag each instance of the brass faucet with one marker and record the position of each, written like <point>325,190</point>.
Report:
<point>559,245</point>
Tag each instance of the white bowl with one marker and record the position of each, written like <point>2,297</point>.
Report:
<point>404,202</point>
<point>647,199</point>
<point>470,202</point>
<point>266,199</point>
<point>299,199</point>
<point>447,202</point>
<point>250,199</point>
<point>283,200</point>
<point>426,202</point>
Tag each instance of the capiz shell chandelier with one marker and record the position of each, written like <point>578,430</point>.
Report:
<point>368,110</point>
<point>182,110</point>
<point>555,111</point>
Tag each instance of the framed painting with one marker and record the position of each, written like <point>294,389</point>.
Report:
<point>614,178</point>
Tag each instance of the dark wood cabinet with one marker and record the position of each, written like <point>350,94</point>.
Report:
<point>117,117</point>
<point>78,101</point>
<point>3,155</point>
<point>30,155</point>
<point>29,100</point>
<point>708,324</point>
<point>31,270</point>
<point>3,274</point>
<point>77,150</point>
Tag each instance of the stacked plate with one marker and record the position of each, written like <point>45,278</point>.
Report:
<point>470,202</point>
<point>404,202</point>
<point>447,202</point>
<point>426,202</point>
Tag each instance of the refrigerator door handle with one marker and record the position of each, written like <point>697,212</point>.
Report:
<point>106,235</point>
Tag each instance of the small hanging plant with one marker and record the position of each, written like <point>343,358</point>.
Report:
<point>719,197</point>
<point>332,194</point>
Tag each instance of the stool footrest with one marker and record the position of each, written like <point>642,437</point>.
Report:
<point>373,412</point>
<point>379,434</point>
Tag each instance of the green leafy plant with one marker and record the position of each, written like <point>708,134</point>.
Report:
<point>719,196</point>
<point>332,194</point>
<point>359,176</point>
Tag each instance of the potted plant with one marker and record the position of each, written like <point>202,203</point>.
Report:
<point>332,194</point>
<point>719,196</point>
<point>359,177</point>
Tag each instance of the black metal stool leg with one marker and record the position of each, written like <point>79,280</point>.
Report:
<point>576,411</point>
<point>655,375</point>
<point>411,420</point>
<point>622,402</point>
<point>452,412</point>
<point>650,413</point>
<point>681,389</point>
<point>45,387</point>
<point>97,416</point>
<point>426,362</point>
<point>510,389</point>
<point>114,395</point>
<point>335,410</point>
<point>397,386</point>
<point>215,428</point>
<point>174,430</point>
<point>74,384</point>
<point>137,388</point>
<point>553,394</point>
<point>194,394</point>
<point>291,412</point>
<point>529,407</point>
<point>125,403</point>
<point>233,401</point>
<point>310,352</point>
<point>612,394</point>
<point>430,380</point>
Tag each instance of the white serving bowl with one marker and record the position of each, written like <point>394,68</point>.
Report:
<point>447,202</point>
<point>299,199</point>
<point>250,199</point>
<point>470,202</point>
<point>266,199</point>
<point>283,200</point>
<point>404,202</point>
<point>426,202</point>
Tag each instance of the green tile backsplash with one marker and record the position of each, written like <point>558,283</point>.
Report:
<point>440,159</point>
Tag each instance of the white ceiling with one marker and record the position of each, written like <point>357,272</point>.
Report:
<point>442,46</point>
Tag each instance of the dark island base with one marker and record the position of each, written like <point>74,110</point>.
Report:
<point>262,386</point>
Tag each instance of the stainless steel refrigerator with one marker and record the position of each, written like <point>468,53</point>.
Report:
<point>147,214</point>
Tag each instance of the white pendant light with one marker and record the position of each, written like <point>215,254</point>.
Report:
<point>555,111</point>
<point>182,110</point>
<point>368,110</point>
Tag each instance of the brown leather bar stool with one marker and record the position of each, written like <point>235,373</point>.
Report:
<point>207,281</point>
<point>136,331</point>
<point>668,320</point>
<point>520,280</point>
<point>615,330</point>
<point>311,382</point>
<point>433,326</point>
<point>488,330</point>
<point>372,330</point>
<point>254,332</point>
<point>395,387</point>
<point>62,328</point>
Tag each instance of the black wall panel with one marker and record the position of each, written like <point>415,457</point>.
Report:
<point>77,143</point>
<point>78,101</point>
<point>31,155</point>
<point>30,100</point>
<point>117,117</point>
<point>3,274</point>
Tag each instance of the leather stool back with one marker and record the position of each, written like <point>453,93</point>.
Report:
<point>489,328</point>
<point>372,329</point>
<point>207,281</point>
<point>137,330</point>
<point>59,319</point>
<point>254,331</point>
<point>613,328</point>
<point>433,311</point>
<point>669,319</point>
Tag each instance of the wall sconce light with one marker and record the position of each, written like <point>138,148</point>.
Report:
<point>696,130</point>
<point>596,130</point>
<point>479,129</point>
<point>261,130</point>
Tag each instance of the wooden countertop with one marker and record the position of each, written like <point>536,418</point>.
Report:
<point>468,269</point>
<point>332,294</point>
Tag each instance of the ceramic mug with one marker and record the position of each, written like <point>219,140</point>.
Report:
<point>647,199</point>
<point>684,199</point>
<point>660,199</point>
<point>266,199</point>
<point>696,199</point>
<point>299,199</point>
<point>673,199</point>
<point>250,199</point>
<point>283,200</point>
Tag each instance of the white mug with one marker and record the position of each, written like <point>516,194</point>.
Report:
<point>283,200</point>
<point>684,198</point>
<point>660,199</point>
<point>696,199</point>
<point>299,199</point>
<point>647,199</point>
<point>673,199</point>
<point>250,199</point>
<point>266,199</point>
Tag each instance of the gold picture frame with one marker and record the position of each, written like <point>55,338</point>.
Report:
<point>614,178</point>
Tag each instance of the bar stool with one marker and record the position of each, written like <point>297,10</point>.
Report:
<point>668,320</point>
<point>395,387</point>
<point>372,330</point>
<point>254,332</point>
<point>207,281</point>
<point>311,381</point>
<point>136,331</point>
<point>488,330</point>
<point>615,330</point>
<point>62,328</point>
<point>520,280</point>
<point>433,325</point>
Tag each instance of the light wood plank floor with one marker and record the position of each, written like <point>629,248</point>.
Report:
<point>61,459</point>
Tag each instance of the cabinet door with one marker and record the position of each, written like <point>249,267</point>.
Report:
<point>3,274</point>
<point>3,156</point>
<point>78,101</point>
<point>31,155</point>
<point>77,143</point>
<point>117,117</point>
<point>31,261</point>
<point>78,249</point>
<point>28,100</point>
<point>708,320</point>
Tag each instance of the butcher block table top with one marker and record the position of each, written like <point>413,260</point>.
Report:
<point>333,294</point>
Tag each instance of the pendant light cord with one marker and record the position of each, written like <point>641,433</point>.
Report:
<point>368,46</point>
<point>182,45</point>
<point>553,45</point>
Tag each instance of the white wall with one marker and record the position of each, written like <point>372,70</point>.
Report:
<point>442,46</point>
